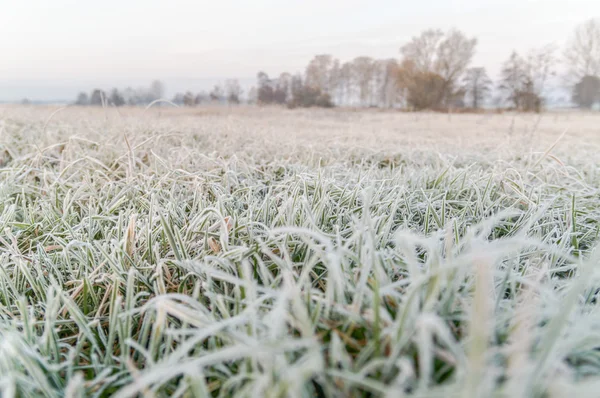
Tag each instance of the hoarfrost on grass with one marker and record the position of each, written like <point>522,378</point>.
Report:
<point>264,252</point>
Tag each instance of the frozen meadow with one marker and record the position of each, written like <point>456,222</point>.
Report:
<point>266,252</point>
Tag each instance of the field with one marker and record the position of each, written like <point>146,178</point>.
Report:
<point>311,253</point>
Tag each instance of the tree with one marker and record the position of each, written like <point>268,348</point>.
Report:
<point>477,86</point>
<point>422,49</point>
<point>424,90</point>
<point>82,99</point>
<point>98,98</point>
<point>335,80</point>
<point>303,95</point>
<point>131,96</point>
<point>282,91</point>
<point>586,92</point>
<point>252,95</point>
<point>346,83</point>
<point>512,79</point>
<point>201,97</point>
<point>178,99</point>
<point>189,99</point>
<point>389,82</point>
<point>318,72</point>
<point>157,90</point>
<point>216,94</point>
<point>582,54</point>
<point>233,91</point>
<point>363,69</point>
<point>446,55</point>
<point>297,89</point>
<point>523,80</point>
<point>265,89</point>
<point>116,98</point>
<point>540,64</point>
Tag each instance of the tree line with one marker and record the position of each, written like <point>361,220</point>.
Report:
<point>433,72</point>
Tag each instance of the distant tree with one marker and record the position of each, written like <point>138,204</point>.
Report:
<point>157,90</point>
<point>130,96</point>
<point>477,86</point>
<point>363,72</point>
<point>524,80</point>
<point>178,99</point>
<point>252,95</point>
<point>334,82</point>
<point>346,83</point>
<point>318,72</point>
<point>388,87</point>
<point>582,54</point>
<point>512,79</point>
<point>457,100</point>
<point>586,93</point>
<point>422,50</point>
<point>233,91</point>
<point>305,96</point>
<point>25,101</point>
<point>540,68</point>
<point>116,98</point>
<point>424,90</point>
<point>201,97</point>
<point>98,98</point>
<point>282,91</point>
<point>189,99</point>
<point>217,94</point>
<point>82,99</point>
<point>265,89</point>
<point>445,55</point>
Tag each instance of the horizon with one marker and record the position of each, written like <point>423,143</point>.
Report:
<point>195,45</point>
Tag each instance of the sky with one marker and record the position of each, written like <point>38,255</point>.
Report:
<point>50,50</point>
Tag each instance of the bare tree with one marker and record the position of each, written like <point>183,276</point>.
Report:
<point>335,81</point>
<point>582,54</point>
<point>363,69</point>
<point>233,91</point>
<point>477,86</point>
<point>424,90</point>
<point>346,83</point>
<point>524,80</point>
<point>446,55</point>
<point>116,98</point>
<point>388,82</point>
<point>252,95</point>
<point>265,89</point>
<point>317,72</point>
<point>157,90</point>
<point>540,67</point>
<point>130,96</point>
<point>512,79</point>
<point>216,94</point>
<point>282,92</point>
<point>422,49</point>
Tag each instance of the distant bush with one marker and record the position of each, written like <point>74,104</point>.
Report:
<point>307,97</point>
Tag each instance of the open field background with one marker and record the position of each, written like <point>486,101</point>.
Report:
<point>268,252</point>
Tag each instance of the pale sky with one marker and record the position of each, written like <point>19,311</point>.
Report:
<point>51,49</point>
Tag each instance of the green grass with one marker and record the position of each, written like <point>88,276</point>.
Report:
<point>154,256</point>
